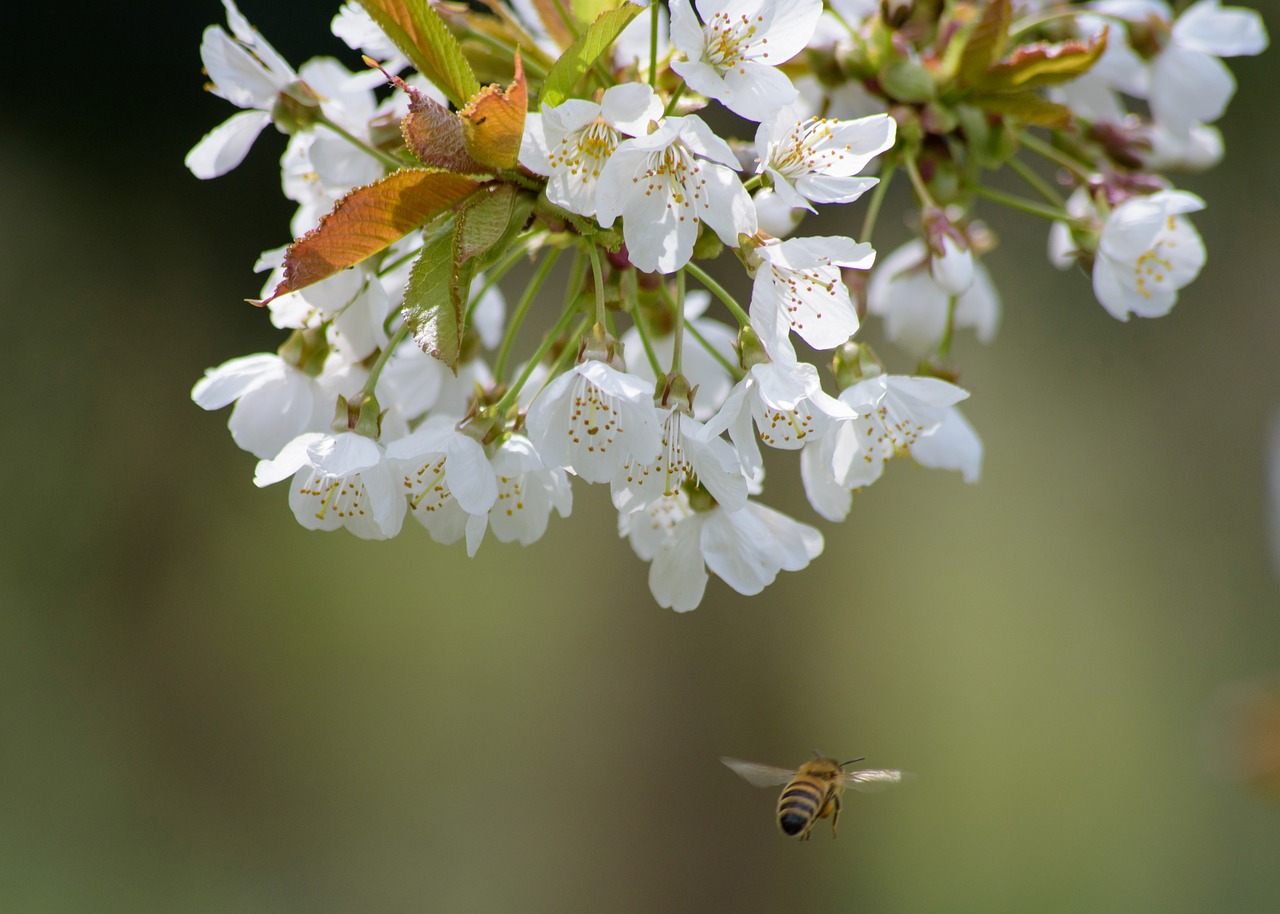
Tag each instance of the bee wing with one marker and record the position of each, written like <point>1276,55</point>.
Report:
<point>869,779</point>
<point>759,775</point>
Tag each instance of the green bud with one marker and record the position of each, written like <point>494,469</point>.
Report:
<point>306,349</point>
<point>708,246</point>
<point>360,414</point>
<point>750,349</point>
<point>296,109</point>
<point>908,81</point>
<point>854,362</point>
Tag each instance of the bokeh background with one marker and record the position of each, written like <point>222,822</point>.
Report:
<point>207,709</point>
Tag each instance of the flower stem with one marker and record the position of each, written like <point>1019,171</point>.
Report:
<point>922,190</point>
<point>1030,207</point>
<point>386,159</point>
<point>513,393</point>
<point>1053,154</point>
<point>597,273</point>
<point>643,333</point>
<point>653,44</point>
<point>383,357</point>
<point>702,341</point>
<point>522,308</point>
<point>675,97</point>
<point>677,351</point>
<point>719,292</point>
<point>1041,186</point>
<point>877,198</point>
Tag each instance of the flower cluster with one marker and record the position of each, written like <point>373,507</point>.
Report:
<point>596,155</point>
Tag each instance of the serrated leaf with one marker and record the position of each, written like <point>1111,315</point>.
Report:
<point>368,220</point>
<point>493,122</point>
<point>985,43</point>
<point>589,10</point>
<point>419,32</point>
<point>486,217</point>
<point>1026,106</point>
<point>585,51</point>
<point>434,134</point>
<point>435,298</point>
<point>1037,65</point>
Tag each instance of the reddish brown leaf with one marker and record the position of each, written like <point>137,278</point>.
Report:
<point>1042,64</point>
<point>366,221</point>
<point>493,122</point>
<point>435,134</point>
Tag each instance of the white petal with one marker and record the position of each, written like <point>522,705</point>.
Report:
<point>677,577</point>
<point>469,475</point>
<point>756,91</point>
<point>237,75</point>
<point>225,146</point>
<point>830,499</point>
<point>292,457</point>
<point>1189,87</point>
<point>630,107</point>
<point>1210,29</point>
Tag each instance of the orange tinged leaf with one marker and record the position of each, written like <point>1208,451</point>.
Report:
<point>368,220</point>
<point>493,122</point>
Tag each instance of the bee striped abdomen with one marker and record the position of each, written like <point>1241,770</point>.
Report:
<point>799,805</point>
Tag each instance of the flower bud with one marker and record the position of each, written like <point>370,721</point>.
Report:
<point>297,108</point>
<point>950,260</point>
<point>360,414</point>
<point>854,362</point>
<point>908,81</point>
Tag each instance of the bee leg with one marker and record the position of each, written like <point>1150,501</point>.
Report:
<point>835,815</point>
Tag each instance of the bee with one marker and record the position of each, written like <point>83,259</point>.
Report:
<point>813,790</point>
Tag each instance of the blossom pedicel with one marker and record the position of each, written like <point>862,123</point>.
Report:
<point>401,390</point>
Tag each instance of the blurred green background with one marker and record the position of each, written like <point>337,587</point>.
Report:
<point>206,708</point>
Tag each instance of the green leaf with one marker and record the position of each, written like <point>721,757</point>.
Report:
<point>489,217</point>
<point>367,220</point>
<point>1037,65</point>
<point>435,299</point>
<point>585,51</point>
<point>1026,106</point>
<point>589,10</point>
<point>418,31</point>
<point>985,43</point>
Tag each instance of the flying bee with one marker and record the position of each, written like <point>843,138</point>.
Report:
<point>813,790</point>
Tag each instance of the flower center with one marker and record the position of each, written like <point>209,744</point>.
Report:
<point>729,40</point>
<point>676,174</point>
<point>344,495</point>
<point>594,420</point>
<point>584,152</point>
<point>1154,267</point>
<point>805,149</point>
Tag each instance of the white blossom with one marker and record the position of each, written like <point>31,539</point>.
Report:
<point>1186,82</point>
<point>744,548</point>
<point>274,401</point>
<point>665,185</point>
<point>339,480</point>
<point>448,479</point>
<point>572,141</point>
<point>785,401</point>
<point>689,453</point>
<point>733,58</point>
<point>915,307</point>
<point>894,412</point>
<point>1147,252</point>
<point>798,287</point>
<point>246,71</point>
<point>818,159</point>
<point>593,419</point>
